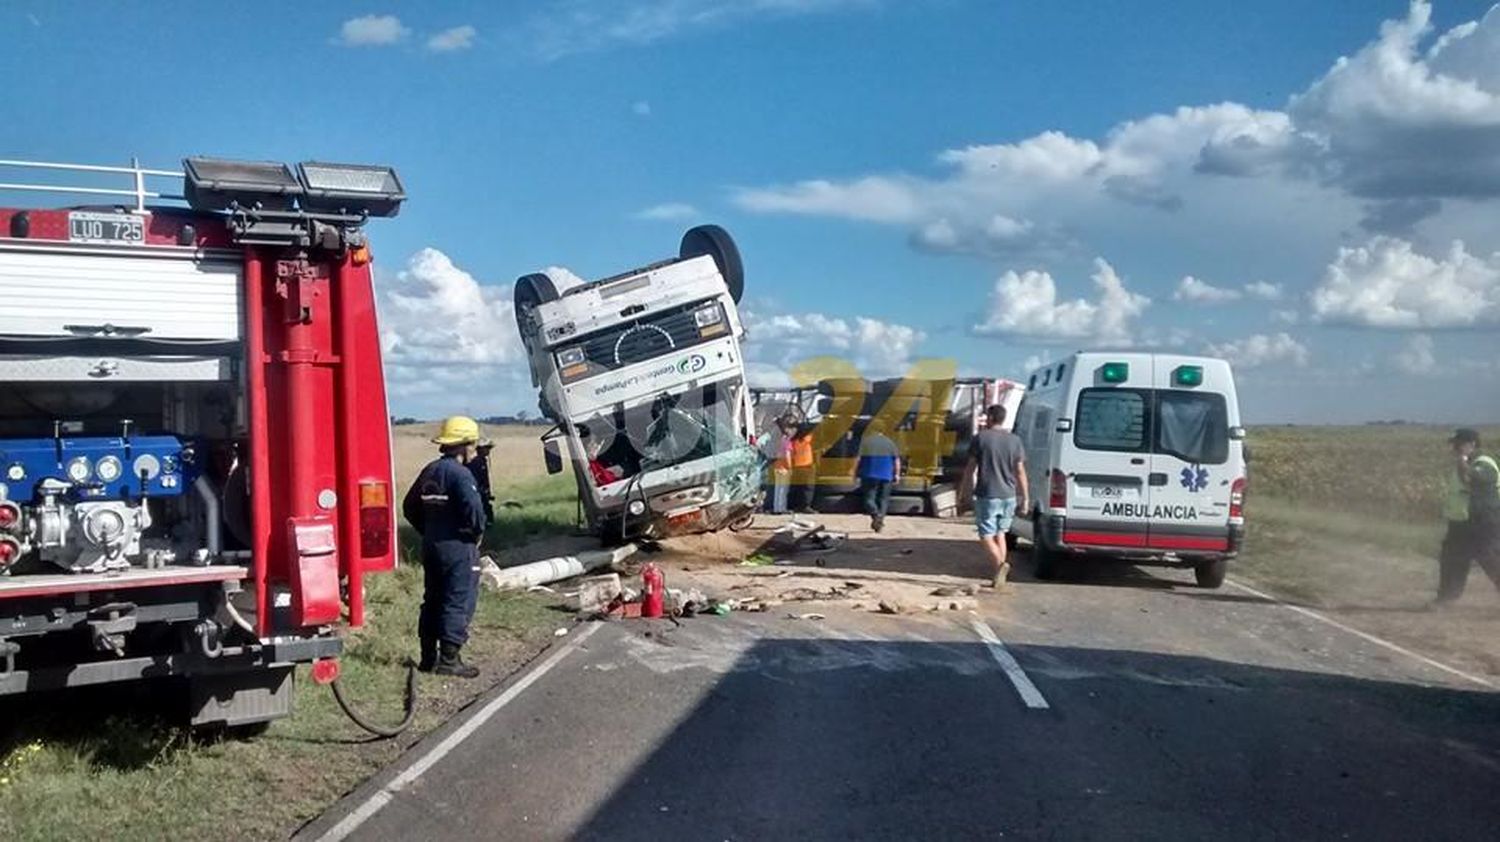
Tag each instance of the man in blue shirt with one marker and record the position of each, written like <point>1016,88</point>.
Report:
<point>878,470</point>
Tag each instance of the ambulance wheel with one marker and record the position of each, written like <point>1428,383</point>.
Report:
<point>531,292</point>
<point>1210,574</point>
<point>716,243</point>
<point>1044,561</point>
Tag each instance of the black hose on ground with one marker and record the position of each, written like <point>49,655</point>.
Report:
<point>380,730</point>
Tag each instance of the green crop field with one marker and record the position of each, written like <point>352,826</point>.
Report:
<point>1383,471</point>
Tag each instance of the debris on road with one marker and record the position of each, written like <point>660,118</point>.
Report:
<point>555,569</point>
<point>964,590</point>
<point>891,606</point>
<point>758,560</point>
<point>802,535</point>
<point>595,593</point>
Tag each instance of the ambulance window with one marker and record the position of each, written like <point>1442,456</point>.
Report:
<point>1193,426</point>
<point>1111,419</point>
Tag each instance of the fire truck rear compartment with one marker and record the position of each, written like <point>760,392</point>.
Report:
<point>117,478</point>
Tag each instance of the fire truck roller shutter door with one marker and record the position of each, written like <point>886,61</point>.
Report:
<point>715,242</point>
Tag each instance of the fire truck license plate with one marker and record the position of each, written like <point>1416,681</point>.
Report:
<point>106,228</point>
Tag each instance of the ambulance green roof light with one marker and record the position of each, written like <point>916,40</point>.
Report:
<point>1188,375</point>
<point>1115,372</point>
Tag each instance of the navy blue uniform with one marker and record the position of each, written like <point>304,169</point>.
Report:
<point>444,506</point>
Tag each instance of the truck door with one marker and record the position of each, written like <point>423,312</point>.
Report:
<point>1104,464</point>
<point>1190,476</point>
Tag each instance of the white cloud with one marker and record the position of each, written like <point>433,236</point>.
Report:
<point>1263,290</point>
<point>1416,356</point>
<point>874,199</point>
<point>1026,305</point>
<point>372,31</point>
<point>1199,291</point>
<point>577,26</point>
<point>1202,292</point>
<point>1387,284</point>
<point>452,40</point>
<point>876,348</point>
<point>669,211</point>
<point>1396,122</point>
<point>438,315</point>
<point>641,108</point>
<point>1261,350</point>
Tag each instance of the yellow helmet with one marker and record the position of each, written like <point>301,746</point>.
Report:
<point>457,429</point>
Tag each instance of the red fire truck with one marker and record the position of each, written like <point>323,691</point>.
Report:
<point>195,456</point>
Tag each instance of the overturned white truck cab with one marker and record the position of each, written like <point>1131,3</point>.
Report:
<point>643,376</point>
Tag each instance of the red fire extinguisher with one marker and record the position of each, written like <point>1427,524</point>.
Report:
<point>653,590</point>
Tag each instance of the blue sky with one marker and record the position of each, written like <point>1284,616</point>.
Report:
<point>993,182</point>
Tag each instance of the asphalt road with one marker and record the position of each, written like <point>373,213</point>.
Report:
<point>1170,713</point>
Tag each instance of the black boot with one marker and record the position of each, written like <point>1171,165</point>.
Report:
<point>449,662</point>
<point>429,654</point>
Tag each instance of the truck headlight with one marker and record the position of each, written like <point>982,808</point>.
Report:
<point>16,472</point>
<point>109,469</point>
<point>710,315</point>
<point>636,507</point>
<point>79,470</point>
<point>571,357</point>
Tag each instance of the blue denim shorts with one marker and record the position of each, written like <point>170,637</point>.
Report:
<point>993,515</point>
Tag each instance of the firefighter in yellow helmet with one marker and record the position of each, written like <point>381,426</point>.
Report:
<point>445,507</point>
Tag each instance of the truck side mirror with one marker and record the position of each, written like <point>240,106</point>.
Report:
<point>553,455</point>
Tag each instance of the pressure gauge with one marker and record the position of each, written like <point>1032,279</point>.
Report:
<point>109,469</point>
<point>79,470</point>
<point>16,472</point>
<point>146,467</point>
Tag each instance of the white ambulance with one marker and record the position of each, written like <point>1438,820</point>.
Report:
<point>1134,456</point>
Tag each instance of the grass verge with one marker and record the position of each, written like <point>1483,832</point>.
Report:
<point>103,765</point>
<point>1333,558</point>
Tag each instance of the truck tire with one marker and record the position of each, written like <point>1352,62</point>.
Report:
<point>715,242</point>
<point>1044,561</point>
<point>531,292</point>
<point>1210,574</point>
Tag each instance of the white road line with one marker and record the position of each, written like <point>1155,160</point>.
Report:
<point>1378,641</point>
<point>1031,696</point>
<point>382,796</point>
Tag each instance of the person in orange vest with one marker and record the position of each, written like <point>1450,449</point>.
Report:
<point>804,469</point>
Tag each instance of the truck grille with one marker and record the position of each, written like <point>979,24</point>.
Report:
<point>644,339</point>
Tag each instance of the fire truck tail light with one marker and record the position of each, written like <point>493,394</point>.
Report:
<point>10,550</point>
<point>1058,496</point>
<point>374,519</point>
<point>1237,497</point>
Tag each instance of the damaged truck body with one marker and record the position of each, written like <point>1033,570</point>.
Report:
<point>642,374</point>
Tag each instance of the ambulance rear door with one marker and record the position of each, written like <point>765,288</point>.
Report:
<point>1194,461</point>
<point>1105,458</point>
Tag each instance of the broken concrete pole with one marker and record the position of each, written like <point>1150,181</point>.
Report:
<point>595,593</point>
<point>561,567</point>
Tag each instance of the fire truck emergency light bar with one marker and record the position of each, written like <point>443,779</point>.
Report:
<point>338,187</point>
<point>216,184</point>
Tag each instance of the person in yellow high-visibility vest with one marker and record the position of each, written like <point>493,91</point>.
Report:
<point>1471,505</point>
